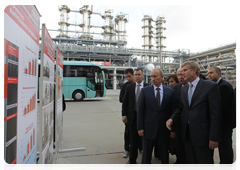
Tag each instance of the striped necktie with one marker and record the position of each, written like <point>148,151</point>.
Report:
<point>158,97</point>
<point>137,95</point>
<point>190,94</point>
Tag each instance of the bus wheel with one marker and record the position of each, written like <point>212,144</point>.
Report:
<point>78,95</point>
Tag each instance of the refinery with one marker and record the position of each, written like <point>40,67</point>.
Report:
<point>111,53</point>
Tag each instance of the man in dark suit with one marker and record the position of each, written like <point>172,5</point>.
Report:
<point>200,116</point>
<point>155,107</point>
<point>180,155</point>
<point>129,112</point>
<point>130,79</point>
<point>228,115</point>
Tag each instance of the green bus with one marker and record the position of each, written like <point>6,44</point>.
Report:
<point>83,79</point>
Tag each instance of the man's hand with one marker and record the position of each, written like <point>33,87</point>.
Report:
<point>124,119</point>
<point>213,144</point>
<point>169,124</point>
<point>173,135</point>
<point>141,132</point>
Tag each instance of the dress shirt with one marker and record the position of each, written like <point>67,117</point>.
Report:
<point>161,92</point>
<point>139,87</point>
<point>218,80</point>
<point>194,83</point>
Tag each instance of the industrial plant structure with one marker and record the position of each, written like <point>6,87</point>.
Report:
<point>111,49</point>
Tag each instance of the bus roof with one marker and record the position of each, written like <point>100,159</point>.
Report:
<point>79,63</point>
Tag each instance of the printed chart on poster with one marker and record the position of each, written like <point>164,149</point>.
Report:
<point>47,97</point>
<point>21,41</point>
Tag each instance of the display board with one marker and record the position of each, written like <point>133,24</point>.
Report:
<point>47,97</point>
<point>21,48</point>
<point>59,103</point>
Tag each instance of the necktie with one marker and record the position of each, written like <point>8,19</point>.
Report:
<point>190,94</point>
<point>158,97</point>
<point>137,95</point>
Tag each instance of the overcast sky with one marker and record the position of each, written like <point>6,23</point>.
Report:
<point>195,27</point>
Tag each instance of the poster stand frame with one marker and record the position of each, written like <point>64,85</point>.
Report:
<point>56,90</point>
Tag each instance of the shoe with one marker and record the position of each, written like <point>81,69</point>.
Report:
<point>141,151</point>
<point>125,154</point>
<point>176,164</point>
<point>152,167</point>
<point>129,164</point>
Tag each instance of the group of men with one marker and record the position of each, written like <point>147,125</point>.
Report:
<point>200,114</point>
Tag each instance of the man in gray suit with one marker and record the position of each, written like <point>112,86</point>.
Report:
<point>200,116</point>
<point>156,105</point>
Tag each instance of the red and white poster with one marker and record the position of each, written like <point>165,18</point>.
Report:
<point>47,97</point>
<point>59,103</point>
<point>21,48</point>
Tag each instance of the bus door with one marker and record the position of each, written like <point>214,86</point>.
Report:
<point>91,90</point>
<point>99,83</point>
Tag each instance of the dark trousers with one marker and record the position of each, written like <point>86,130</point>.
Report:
<point>162,146</point>
<point>135,140</point>
<point>196,154</point>
<point>126,137</point>
<point>181,156</point>
<point>225,147</point>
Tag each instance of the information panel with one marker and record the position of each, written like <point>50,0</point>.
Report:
<point>59,103</point>
<point>47,96</point>
<point>21,48</point>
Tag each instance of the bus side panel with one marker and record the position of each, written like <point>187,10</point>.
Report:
<point>70,84</point>
<point>90,93</point>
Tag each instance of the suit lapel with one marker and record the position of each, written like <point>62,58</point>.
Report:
<point>152,92</point>
<point>185,96</point>
<point>197,90</point>
<point>133,92</point>
<point>164,97</point>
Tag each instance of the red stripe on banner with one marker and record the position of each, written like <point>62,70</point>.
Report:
<point>13,162</point>
<point>12,80</point>
<point>48,45</point>
<point>60,59</point>
<point>10,117</point>
<point>22,20</point>
<point>5,80</point>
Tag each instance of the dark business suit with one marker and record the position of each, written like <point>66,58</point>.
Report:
<point>200,122</point>
<point>126,132</point>
<point>181,157</point>
<point>128,109</point>
<point>236,94</point>
<point>228,121</point>
<point>152,120</point>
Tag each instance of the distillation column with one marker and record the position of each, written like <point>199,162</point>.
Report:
<point>64,10</point>
<point>160,38</point>
<point>108,26</point>
<point>147,36</point>
<point>121,21</point>
<point>86,22</point>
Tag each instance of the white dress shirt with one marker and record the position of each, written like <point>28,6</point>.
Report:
<point>161,92</point>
